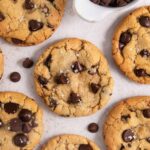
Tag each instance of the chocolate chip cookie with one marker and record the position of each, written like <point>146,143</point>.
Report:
<point>127,126</point>
<point>1,64</point>
<point>20,122</point>
<point>29,22</point>
<point>70,142</point>
<point>131,45</point>
<point>73,78</point>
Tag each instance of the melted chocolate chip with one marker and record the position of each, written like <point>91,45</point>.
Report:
<point>17,41</point>
<point>1,123</point>
<point>42,80</point>
<point>145,21</point>
<point>148,139</point>
<point>128,135</point>
<point>140,72</point>
<point>35,25</point>
<point>95,87</point>
<point>26,127</point>
<point>15,125</point>
<point>62,79</point>
<point>74,98</point>
<point>48,61</point>
<point>144,53</point>
<point>2,17</point>
<point>85,147</point>
<point>93,127</point>
<point>27,63</point>
<point>53,104</point>
<point>15,76</point>
<point>125,118</point>
<point>20,140</point>
<point>11,108</point>
<point>77,67</point>
<point>28,4</point>
<point>125,37</point>
<point>25,115</point>
<point>146,113</point>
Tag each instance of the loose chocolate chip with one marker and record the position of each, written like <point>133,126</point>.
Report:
<point>11,108</point>
<point>105,2</point>
<point>53,104</point>
<point>62,79</point>
<point>26,127</point>
<point>95,87</point>
<point>145,21</point>
<point>125,37</point>
<point>145,52</point>
<point>77,67</point>
<point>2,17</point>
<point>146,113</point>
<point>128,135</point>
<point>15,76</point>
<point>93,127</point>
<point>121,3</point>
<point>42,80</point>
<point>15,125</point>
<point>74,98</point>
<point>1,123</point>
<point>148,139</point>
<point>48,61</point>
<point>35,25</point>
<point>25,115</point>
<point>125,118</point>
<point>17,41</point>
<point>20,140</point>
<point>140,72</point>
<point>28,4</point>
<point>85,147</point>
<point>27,63</point>
<point>95,1</point>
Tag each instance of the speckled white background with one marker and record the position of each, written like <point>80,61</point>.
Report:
<point>72,26</point>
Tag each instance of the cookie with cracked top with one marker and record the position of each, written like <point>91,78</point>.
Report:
<point>29,22</point>
<point>70,142</point>
<point>1,64</point>
<point>73,78</point>
<point>131,45</point>
<point>20,122</point>
<point>127,126</point>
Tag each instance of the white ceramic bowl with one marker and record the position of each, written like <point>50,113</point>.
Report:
<point>93,12</point>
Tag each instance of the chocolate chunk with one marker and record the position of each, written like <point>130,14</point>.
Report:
<point>77,67</point>
<point>42,80</point>
<point>125,37</point>
<point>128,135</point>
<point>48,61</point>
<point>85,147</point>
<point>15,76</point>
<point>1,123</point>
<point>17,41</point>
<point>93,127</point>
<point>140,72</point>
<point>35,25</point>
<point>28,4</point>
<point>2,17</point>
<point>26,127</point>
<point>53,104</point>
<point>15,125</point>
<point>27,63</point>
<point>62,79</point>
<point>11,108</point>
<point>20,140</point>
<point>146,113</point>
<point>125,118</point>
<point>145,21</point>
<point>74,98</point>
<point>144,53</point>
<point>95,87</point>
<point>25,115</point>
<point>148,139</point>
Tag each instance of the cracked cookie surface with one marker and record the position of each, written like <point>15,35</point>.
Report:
<point>70,142</point>
<point>127,126</point>
<point>1,64</point>
<point>131,45</point>
<point>20,122</point>
<point>29,22</point>
<point>73,78</point>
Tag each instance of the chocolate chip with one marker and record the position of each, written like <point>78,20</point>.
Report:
<point>27,63</point>
<point>125,118</point>
<point>95,87</point>
<point>146,113</point>
<point>122,147</point>
<point>140,72</point>
<point>128,135</point>
<point>15,125</point>
<point>93,127</point>
<point>25,115</point>
<point>42,80</point>
<point>148,139</point>
<point>45,10</point>
<point>105,2</point>
<point>28,4</point>
<point>74,98</point>
<point>144,53</point>
<point>48,61</point>
<point>51,26</point>
<point>85,147</point>
<point>95,1</point>
<point>11,108</point>
<point>35,25</point>
<point>2,17</point>
<point>145,21</point>
<point>62,79</point>
<point>77,67</point>
<point>17,41</point>
<point>20,140</point>
<point>121,3</point>
<point>53,104</point>
<point>26,127</point>
<point>15,76</point>
<point>1,123</point>
<point>125,37</point>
